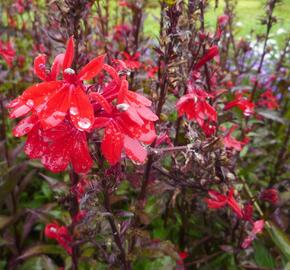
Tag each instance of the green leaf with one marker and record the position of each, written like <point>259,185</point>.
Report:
<point>38,263</point>
<point>273,115</point>
<point>281,240</point>
<point>40,249</point>
<point>262,256</point>
<point>10,180</point>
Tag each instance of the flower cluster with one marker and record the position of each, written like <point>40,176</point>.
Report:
<point>62,113</point>
<point>195,103</point>
<point>60,234</point>
<point>218,200</point>
<point>7,52</point>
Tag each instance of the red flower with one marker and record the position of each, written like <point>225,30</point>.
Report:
<point>248,212</point>
<point>210,54</point>
<point>182,255</point>
<point>270,195</point>
<point>243,103</point>
<point>131,62</point>
<point>221,23</point>
<point>127,124</point>
<point>195,106</point>
<point>163,138</point>
<point>60,234</point>
<point>268,100</point>
<point>51,100</point>
<point>56,147</point>
<point>218,200</point>
<point>258,227</point>
<point>7,52</point>
<point>151,71</point>
<point>231,142</point>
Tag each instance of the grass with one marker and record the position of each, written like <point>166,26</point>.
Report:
<point>248,14</point>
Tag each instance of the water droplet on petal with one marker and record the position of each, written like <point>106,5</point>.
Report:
<point>122,107</point>
<point>84,123</point>
<point>73,110</point>
<point>52,229</point>
<point>69,71</point>
<point>29,103</point>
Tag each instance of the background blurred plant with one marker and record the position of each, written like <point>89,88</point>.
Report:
<point>209,190</point>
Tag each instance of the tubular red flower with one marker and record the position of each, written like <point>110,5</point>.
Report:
<point>230,142</point>
<point>211,53</point>
<point>60,234</point>
<point>218,200</point>
<point>195,107</point>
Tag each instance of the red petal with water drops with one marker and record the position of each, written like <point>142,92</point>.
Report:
<point>134,150</point>
<point>41,91</point>
<point>56,66</point>
<point>91,69</point>
<point>57,155</point>
<point>147,114</point>
<point>51,230</point>
<point>69,54</point>
<point>55,109</point>
<point>39,66</point>
<point>134,116</point>
<point>102,101</point>
<point>24,126</point>
<point>148,134</point>
<point>138,99</point>
<point>123,91</point>
<point>81,110</point>
<point>82,162</point>
<point>112,144</point>
<point>20,110</point>
<point>34,147</point>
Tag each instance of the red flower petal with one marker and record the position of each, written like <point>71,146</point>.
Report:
<point>51,230</point>
<point>101,122</point>
<point>147,114</point>
<point>138,99</point>
<point>81,160</point>
<point>69,54</point>
<point>112,144</point>
<point>56,66</point>
<point>55,109</point>
<point>24,126</point>
<point>102,101</point>
<point>41,91</point>
<point>134,150</point>
<point>57,156</point>
<point>91,69</point>
<point>20,110</point>
<point>34,144</point>
<point>211,53</point>
<point>148,134</point>
<point>113,73</point>
<point>123,91</point>
<point>81,110</point>
<point>134,116</point>
<point>39,66</point>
